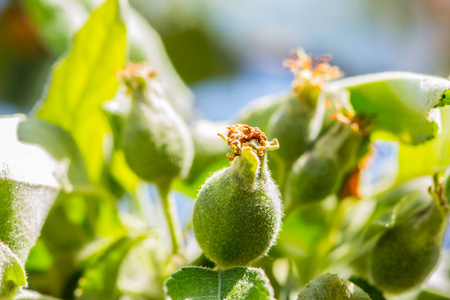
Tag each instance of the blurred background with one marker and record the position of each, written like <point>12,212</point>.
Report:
<point>230,52</point>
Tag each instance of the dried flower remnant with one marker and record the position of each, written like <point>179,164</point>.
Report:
<point>242,135</point>
<point>310,73</point>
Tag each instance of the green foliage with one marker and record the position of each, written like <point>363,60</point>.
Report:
<point>30,180</point>
<point>12,274</point>
<point>235,283</point>
<point>258,112</point>
<point>331,287</point>
<point>99,280</point>
<point>83,80</point>
<point>30,295</point>
<point>398,102</point>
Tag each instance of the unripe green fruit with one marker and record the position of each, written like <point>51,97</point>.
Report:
<point>291,124</point>
<point>406,255</point>
<point>297,123</point>
<point>238,211</point>
<point>156,141</point>
<point>321,171</point>
<point>313,178</point>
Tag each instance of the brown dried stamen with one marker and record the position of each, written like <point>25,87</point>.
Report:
<point>134,73</point>
<point>310,72</point>
<point>357,123</point>
<point>242,135</point>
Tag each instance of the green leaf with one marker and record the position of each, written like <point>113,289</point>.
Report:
<point>146,45</point>
<point>258,112</point>
<point>99,280</point>
<point>331,287</point>
<point>59,144</point>
<point>372,291</point>
<point>444,100</point>
<point>429,295</point>
<point>30,180</point>
<point>12,275</point>
<point>398,102</point>
<point>56,20</point>
<point>86,78</point>
<point>30,295</point>
<point>430,157</point>
<point>235,283</point>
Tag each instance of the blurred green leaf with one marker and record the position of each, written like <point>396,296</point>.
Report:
<point>428,158</point>
<point>30,180</point>
<point>398,102</point>
<point>86,78</point>
<point>12,275</point>
<point>40,258</point>
<point>99,280</point>
<point>210,155</point>
<point>30,295</point>
<point>61,146</point>
<point>235,283</point>
<point>258,112</point>
<point>56,20</point>
<point>429,295</point>
<point>372,291</point>
<point>331,287</point>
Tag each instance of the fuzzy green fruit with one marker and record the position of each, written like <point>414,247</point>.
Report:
<point>156,141</point>
<point>406,255</point>
<point>297,123</point>
<point>238,211</point>
<point>321,171</point>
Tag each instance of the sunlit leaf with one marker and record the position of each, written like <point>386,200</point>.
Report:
<point>331,287</point>
<point>427,158</point>
<point>397,102</point>
<point>429,295</point>
<point>235,283</point>
<point>83,80</point>
<point>12,275</point>
<point>61,146</point>
<point>30,295</point>
<point>30,180</point>
<point>56,20</point>
<point>99,280</point>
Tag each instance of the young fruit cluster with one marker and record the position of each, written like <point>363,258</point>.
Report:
<point>238,211</point>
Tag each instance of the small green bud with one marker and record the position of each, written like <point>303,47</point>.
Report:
<point>406,254</point>
<point>156,141</point>
<point>321,171</point>
<point>238,211</point>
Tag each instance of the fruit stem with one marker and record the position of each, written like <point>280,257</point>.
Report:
<point>171,215</point>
